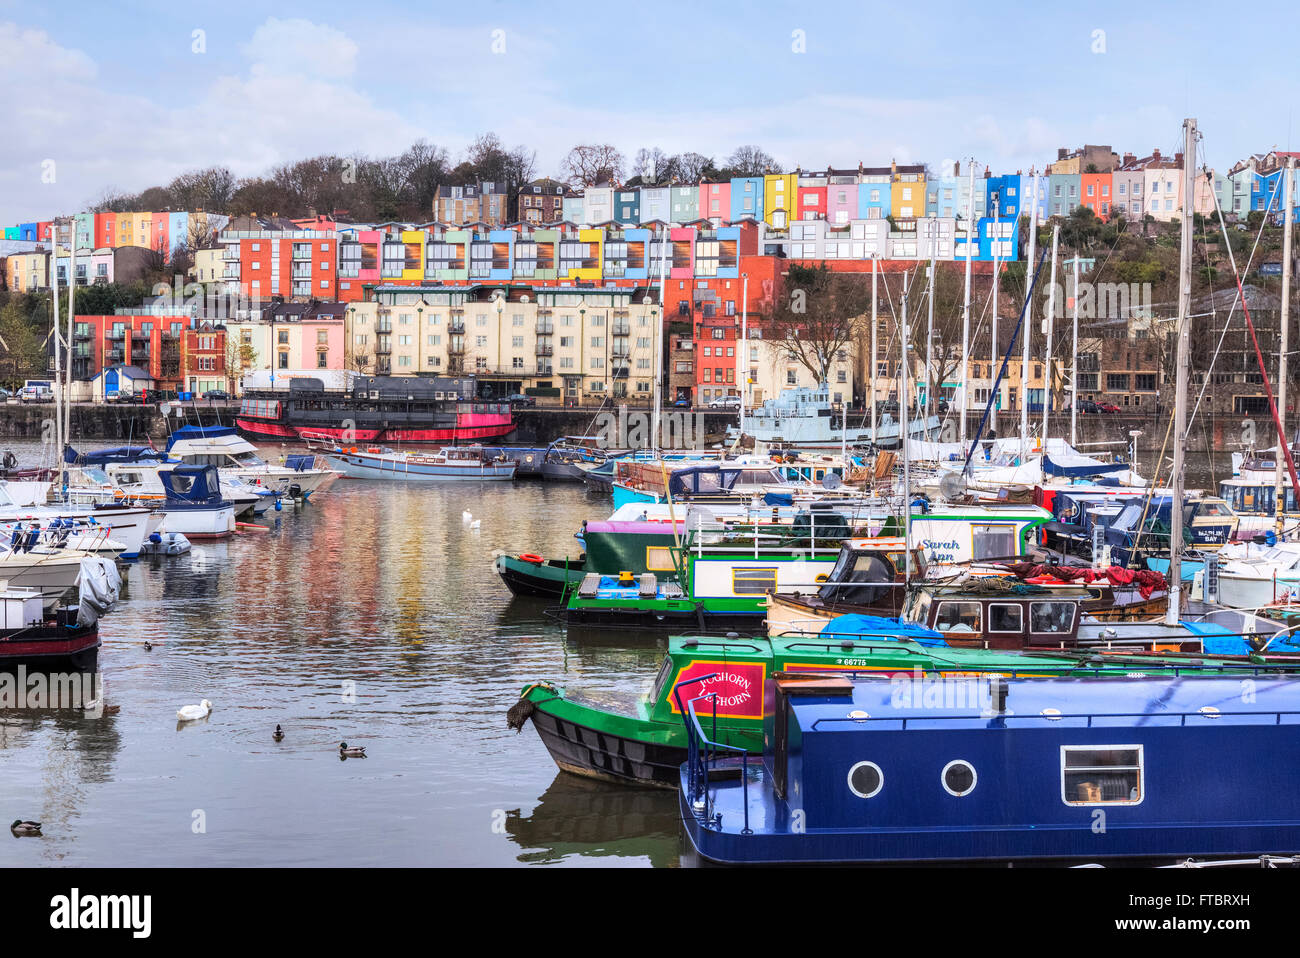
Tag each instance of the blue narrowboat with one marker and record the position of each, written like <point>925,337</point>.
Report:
<point>952,770</point>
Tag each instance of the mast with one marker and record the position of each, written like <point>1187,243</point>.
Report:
<point>965,310</point>
<point>872,373</point>
<point>72,298</point>
<point>1279,498</point>
<point>58,359</point>
<point>904,375</point>
<point>1074,361</point>
<point>993,351</point>
<point>1051,316</point>
<point>1029,325</point>
<point>742,357</point>
<point>929,340</point>
<point>1180,393</point>
<point>663,321</point>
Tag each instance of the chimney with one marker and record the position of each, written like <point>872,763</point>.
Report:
<point>1061,153</point>
<point>1129,158</point>
<point>893,165</point>
<point>1155,155</point>
<point>1178,160</point>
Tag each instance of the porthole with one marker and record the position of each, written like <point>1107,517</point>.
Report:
<point>959,778</point>
<point>866,779</point>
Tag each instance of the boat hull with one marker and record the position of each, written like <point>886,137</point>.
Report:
<point>55,648</point>
<point>592,753</point>
<point>367,466</point>
<point>547,580</point>
<point>268,431</point>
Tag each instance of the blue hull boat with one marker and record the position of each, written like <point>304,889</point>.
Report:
<point>994,770</point>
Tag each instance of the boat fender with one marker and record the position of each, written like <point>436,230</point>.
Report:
<point>529,557</point>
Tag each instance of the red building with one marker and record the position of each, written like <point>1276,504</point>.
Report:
<point>289,267</point>
<point>152,342</point>
<point>203,359</point>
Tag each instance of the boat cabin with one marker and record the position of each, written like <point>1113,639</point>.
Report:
<point>999,618</point>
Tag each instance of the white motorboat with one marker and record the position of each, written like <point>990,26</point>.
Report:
<point>299,476</point>
<point>99,526</point>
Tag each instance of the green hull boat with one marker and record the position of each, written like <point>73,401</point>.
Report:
<point>640,739</point>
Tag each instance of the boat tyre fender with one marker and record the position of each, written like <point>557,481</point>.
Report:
<point>523,710</point>
<point>529,557</point>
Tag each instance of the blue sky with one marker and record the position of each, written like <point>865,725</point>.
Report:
<point>116,97</point>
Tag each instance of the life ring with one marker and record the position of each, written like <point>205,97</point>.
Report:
<point>529,557</point>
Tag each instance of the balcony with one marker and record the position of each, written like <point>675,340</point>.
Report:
<point>620,373</point>
<point>619,352</point>
<point>545,328</point>
<point>301,253</point>
<point>456,327</point>
<point>622,329</point>
<point>383,347</point>
<point>383,325</point>
<point>116,335</point>
<point>456,349</point>
<point>545,350</point>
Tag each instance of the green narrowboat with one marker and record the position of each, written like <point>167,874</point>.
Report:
<point>641,740</point>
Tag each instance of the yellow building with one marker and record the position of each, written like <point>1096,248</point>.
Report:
<point>582,344</point>
<point>907,188</point>
<point>781,199</point>
<point>209,265</point>
<point>27,272</point>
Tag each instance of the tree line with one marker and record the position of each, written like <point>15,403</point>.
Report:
<point>402,187</point>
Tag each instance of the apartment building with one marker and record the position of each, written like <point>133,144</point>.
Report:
<point>475,203</point>
<point>541,201</point>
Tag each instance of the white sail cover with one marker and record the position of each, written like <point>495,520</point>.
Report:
<point>98,584</point>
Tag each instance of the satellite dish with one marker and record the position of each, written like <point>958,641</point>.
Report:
<point>523,298</point>
<point>832,481</point>
<point>699,517</point>
<point>952,485</point>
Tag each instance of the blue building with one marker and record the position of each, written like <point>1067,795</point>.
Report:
<point>746,198</point>
<point>627,207</point>
<point>875,193</point>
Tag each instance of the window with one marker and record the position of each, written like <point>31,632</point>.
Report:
<point>866,779</point>
<point>1101,775</point>
<point>994,541</point>
<point>958,617</point>
<point>958,778</point>
<point>1006,617</point>
<point>753,581</point>
<point>1050,617</point>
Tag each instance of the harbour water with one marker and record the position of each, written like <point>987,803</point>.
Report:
<point>375,584</point>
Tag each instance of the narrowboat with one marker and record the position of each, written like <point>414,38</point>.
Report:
<point>452,463</point>
<point>641,740</point>
<point>1142,528</point>
<point>998,771</point>
<point>373,410</point>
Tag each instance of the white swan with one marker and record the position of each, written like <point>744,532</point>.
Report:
<point>476,524</point>
<point>188,713</point>
<point>465,517</point>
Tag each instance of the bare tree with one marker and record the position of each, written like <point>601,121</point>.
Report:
<point>588,165</point>
<point>750,161</point>
<point>818,315</point>
<point>690,167</point>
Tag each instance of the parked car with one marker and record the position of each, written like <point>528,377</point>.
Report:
<point>216,394</point>
<point>725,402</point>
<point>519,399</point>
<point>1107,407</point>
<point>1087,405</point>
<point>682,404</point>
<point>887,406</point>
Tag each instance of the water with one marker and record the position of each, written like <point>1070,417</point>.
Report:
<point>376,584</point>
<point>380,585</point>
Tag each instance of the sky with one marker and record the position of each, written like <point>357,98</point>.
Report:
<point>126,95</point>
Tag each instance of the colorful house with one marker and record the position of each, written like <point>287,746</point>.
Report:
<point>907,191</point>
<point>780,199</point>
<point>746,199</point>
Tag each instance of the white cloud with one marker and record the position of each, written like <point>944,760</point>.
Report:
<point>295,47</point>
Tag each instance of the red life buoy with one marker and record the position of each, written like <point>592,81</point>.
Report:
<point>529,557</point>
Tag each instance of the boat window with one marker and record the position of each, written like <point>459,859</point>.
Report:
<point>659,559</point>
<point>657,690</point>
<point>753,581</point>
<point>958,617</point>
<point>959,778</point>
<point>866,779</point>
<point>1051,616</point>
<point>1211,508</point>
<point>994,541</point>
<point>1006,617</point>
<point>1101,774</point>
<point>920,611</point>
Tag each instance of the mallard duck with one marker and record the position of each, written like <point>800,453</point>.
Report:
<point>278,734</point>
<point>189,713</point>
<point>148,646</point>
<point>354,751</point>
<point>20,827</point>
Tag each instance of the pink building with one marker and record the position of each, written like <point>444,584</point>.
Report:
<point>715,202</point>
